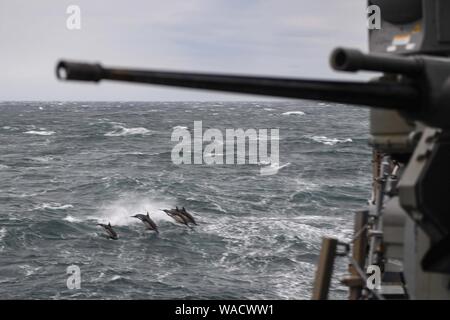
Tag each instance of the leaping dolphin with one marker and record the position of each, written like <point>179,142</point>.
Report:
<point>188,215</point>
<point>147,221</point>
<point>109,230</point>
<point>177,216</point>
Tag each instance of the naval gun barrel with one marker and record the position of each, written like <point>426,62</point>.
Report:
<point>397,96</point>
<point>352,60</point>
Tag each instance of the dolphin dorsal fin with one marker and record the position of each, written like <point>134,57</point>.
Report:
<point>109,224</point>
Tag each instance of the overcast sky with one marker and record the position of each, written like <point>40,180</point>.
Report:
<point>268,37</point>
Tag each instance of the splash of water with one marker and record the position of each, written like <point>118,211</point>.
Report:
<point>119,212</point>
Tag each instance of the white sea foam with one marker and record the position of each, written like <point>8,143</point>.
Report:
<point>55,206</point>
<point>135,153</point>
<point>119,212</point>
<point>42,159</point>
<point>2,233</point>
<point>272,169</point>
<point>3,166</point>
<point>121,131</point>
<point>298,113</point>
<point>29,270</point>
<point>40,133</point>
<point>69,218</point>
<point>330,141</point>
<point>179,127</point>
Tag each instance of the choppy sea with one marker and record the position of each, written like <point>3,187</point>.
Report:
<point>66,166</point>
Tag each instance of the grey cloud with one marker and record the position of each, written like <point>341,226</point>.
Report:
<point>285,38</point>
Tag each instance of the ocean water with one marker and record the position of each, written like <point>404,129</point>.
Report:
<point>65,166</point>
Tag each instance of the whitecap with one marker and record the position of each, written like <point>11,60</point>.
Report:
<point>40,133</point>
<point>33,194</point>
<point>29,270</point>
<point>288,113</point>
<point>272,169</point>
<point>55,206</point>
<point>135,153</point>
<point>120,131</point>
<point>2,233</point>
<point>330,141</point>
<point>179,128</point>
<point>42,159</point>
<point>69,218</point>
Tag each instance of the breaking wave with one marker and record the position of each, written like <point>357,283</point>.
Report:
<point>69,218</point>
<point>55,206</point>
<point>272,169</point>
<point>179,127</point>
<point>40,133</point>
<point>298,113</point>
<point>120,131</point>
<point>330,141</point>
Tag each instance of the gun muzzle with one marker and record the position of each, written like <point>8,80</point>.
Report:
<point>66,70</point>
<point>353,60</point>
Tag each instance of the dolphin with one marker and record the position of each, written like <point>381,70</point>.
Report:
<point>147,221</point>
<point>188,216</point>
<point>177,216</point>
<point>109,230</point>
